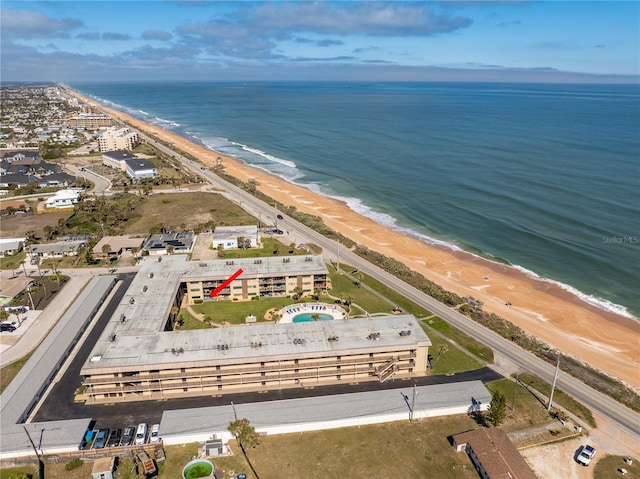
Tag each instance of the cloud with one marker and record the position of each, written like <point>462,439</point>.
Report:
<point>365,49</point>
<point>319,43</point>
<point>323,59</point>
<point>149,53</point>
<point>112,36</point>
<point>370,18</point>
<point>25,24</point>
<point>513,23</point>
<point>156,35</point>
<point>89,36</point>
<point>253,32</point>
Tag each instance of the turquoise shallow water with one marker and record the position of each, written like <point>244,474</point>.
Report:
<point>543,177</point>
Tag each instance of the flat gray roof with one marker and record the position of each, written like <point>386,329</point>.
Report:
<point>134,338</point>
<point>222,232</point>
<point>177,349</point>
<point>59,247</point>
<point>146,311</point>
<point>28,385</point>
<point>50,437</point>
<point>269,414</point>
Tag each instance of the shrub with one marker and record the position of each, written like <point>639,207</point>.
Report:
<point>73,464</point>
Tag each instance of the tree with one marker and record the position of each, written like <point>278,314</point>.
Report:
<point>244,432</point>
<point>106,249</point>
<point>297,292</point>
<point>497,409</point>
<point>441,348</point>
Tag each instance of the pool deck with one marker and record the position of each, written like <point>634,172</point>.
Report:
<point>289,312</point>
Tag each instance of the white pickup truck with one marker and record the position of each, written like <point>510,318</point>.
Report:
<point>586,455</point>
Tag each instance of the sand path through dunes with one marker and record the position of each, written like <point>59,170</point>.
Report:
<point>604,340</point>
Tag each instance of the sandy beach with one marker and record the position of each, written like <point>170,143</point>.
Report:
<point>604,340</point>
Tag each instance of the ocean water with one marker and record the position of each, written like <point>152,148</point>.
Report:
<point>543,177</point>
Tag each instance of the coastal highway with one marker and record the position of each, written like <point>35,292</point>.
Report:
<point>623,417</point>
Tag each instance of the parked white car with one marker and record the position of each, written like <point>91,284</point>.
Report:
<point>586,455</point>
<point>155,433</point>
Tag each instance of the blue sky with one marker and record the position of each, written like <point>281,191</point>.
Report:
<point>352,40</point>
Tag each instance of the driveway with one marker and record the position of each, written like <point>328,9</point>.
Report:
<point>201,250</point>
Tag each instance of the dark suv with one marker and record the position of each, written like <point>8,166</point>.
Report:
<point>7,327</point>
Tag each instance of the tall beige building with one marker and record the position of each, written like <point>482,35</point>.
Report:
<point>118,139</point>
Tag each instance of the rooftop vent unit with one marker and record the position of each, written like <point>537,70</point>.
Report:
<point>222,347</point>
<point>112,337</point>
<point>132,300</point>
<point>122,318</point>
<point>374,336</point>
<point>145,288</point>
<point>300,341</point>
<point>258,261</point>
<point>229,263</point>
<point>308,258</point>
<point>202,265</point>
<point>333,338</point>
<point>286,260</point>
<point>256,345</point>
<point>405,332</point>
<point>150,275</point>
<point>159,259</point>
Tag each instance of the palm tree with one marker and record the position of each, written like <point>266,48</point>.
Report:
<point>441,348</point>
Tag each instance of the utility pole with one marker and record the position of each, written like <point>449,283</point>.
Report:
<point>553,387</point>
<point>338,256</point>
<point>413,402</point>
<point>40,463</point>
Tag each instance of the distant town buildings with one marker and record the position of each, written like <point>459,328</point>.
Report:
<point>90,121</point>
<point>118,139</point>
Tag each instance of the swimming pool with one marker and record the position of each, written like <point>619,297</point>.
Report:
<point>306,317</point>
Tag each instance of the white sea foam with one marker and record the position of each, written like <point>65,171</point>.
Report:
<point>389,221</point>
<point>269,157</point>
<point>167,122</point>
<point>144,112</point>
<point>601,303</point>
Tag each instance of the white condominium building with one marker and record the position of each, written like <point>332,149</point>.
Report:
<point>118,139</point>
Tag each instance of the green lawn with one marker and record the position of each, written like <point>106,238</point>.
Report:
<point>14,262</point>
<point>560,397</point>
<point>364,298</point>
<point>451,361</point>
<point>463,339</point>
<point>270,247</point>
<point>419,450</point>
<point>608,467</point>
<point>235,312</point>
